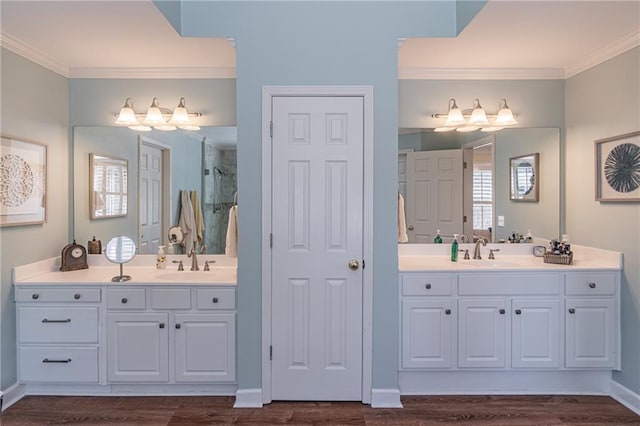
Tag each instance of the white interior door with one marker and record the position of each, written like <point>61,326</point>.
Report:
<point>150,203</point>
<point>317,199</point>
<point>434,195</point>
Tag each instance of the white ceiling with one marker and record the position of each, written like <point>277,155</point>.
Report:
<point>507,39</point>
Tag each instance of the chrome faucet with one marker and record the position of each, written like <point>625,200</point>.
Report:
<point>476,250</point>
<point>194,258</point>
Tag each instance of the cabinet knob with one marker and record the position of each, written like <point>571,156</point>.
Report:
<point>502,311</point>
<point>592,285</point>
<point>518,311</point>
<point>572,311</point>
<point>161,325</point>
<point>124,300</point>
<point>447,311</point>
<point>76,296</point>
<point>215,300</point>
<point>428,286</point>
<point>35,296</point>
<point>178,326</point>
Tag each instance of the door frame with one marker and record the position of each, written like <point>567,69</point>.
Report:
<point>166,185</point>
<point>366,92</point>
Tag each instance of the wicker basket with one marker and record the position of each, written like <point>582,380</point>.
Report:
<point>559,259</point>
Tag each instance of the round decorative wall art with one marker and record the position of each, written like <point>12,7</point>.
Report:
<point>622,168</point>
<point>16,180</point>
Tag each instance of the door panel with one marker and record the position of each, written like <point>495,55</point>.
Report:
<point>317,194</point>
<point>150,205</point>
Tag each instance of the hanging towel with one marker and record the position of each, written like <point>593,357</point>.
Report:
<point>197,215</point>
<point>231,248</point>
<point>402,222</point>
<point>187,221</point>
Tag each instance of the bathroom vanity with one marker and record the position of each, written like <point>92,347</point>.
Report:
<point>510,325</point>
<point>163,332</point>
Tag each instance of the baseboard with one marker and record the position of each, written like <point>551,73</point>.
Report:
<point>12,394</point>
<point>625,396</point>
<point>385,398</point>
<point>248,398</point>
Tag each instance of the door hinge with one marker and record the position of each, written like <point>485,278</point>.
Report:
<point>362,263</point>
<point>270,353</point>
<point>464,164</point>
<point>464,219</point>
<point>271,129</point>
<point>270,240</point>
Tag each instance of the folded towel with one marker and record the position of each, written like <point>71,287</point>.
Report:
<point>187,221</point>
<point>231,248</point>
<point>402,221</point>
<point>197,215</point>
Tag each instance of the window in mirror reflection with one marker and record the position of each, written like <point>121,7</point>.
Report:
<point>108,186</point>
<point>482,198</point>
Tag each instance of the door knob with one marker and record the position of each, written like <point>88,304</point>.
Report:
<point>354,264</point>
<point>410,227</point>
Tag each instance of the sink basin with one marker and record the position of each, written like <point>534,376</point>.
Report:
<point>215,275</point>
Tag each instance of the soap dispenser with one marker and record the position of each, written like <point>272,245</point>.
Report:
<point>161,258</point>
<point>438,238</point>
<point>454,248</point>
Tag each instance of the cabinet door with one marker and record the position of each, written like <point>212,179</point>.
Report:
<point>427,334</point>
<point>205,347</point>
<point>138,347</point>
<point>482,333</point>
<point>591,335</point>
<point>535,334</point>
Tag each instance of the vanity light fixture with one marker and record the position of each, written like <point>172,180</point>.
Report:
<point>478,118</point>
<point>157,117</point>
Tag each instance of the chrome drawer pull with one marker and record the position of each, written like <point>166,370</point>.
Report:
<point>54,321</point>
<point>592,285</point>
<point>56,361</point>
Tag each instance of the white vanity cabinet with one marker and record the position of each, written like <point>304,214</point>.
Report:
<point>174,335</point>
<point>58,334</point>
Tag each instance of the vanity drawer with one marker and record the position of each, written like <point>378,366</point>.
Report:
<point>126,298</point>
<point>171,298</point>
<point>58,364</point>
<point>591,284</point>
<point>216,298</point>
<point>58,325</point>
<point>436,284</point>
<point>507,284</point>
<point>58,295</point>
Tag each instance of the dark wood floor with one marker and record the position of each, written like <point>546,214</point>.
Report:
<point>422,410</point>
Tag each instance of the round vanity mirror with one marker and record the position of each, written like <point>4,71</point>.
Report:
<point>120,250</point>
<point>176,236</point>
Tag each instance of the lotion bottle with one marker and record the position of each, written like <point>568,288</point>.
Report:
<point>438,238</point>
<point>454,248</point>
<point>161,258</point>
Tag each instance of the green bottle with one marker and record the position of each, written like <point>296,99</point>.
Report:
<point>438,238</point>
<point>454,248</point>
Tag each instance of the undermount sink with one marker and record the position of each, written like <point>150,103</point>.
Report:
<point>216,274</point>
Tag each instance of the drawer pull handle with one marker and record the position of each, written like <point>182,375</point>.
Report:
<point>35,296</point>
<point>76,296</point>
<point>518,311</point>
<point>428,286</point>
<point>56,361</point>
<point>447,311</point>
<point>572,311</point>
<point>178,326</point>
<point>592,285</point>
<point>502,311</point>
<point>124,300</point>
<point>48,321</point>
<point>161,325</point>
<point>215,300</point>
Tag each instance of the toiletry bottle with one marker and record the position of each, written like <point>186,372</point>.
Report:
<point>454,248</point>
<point>161,258</point>
<point>438,238</point>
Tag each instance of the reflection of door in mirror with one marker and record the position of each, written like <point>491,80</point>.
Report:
<point>151,197</point>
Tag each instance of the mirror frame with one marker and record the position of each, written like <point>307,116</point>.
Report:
<point>532,160</point>
<point>94,159</point>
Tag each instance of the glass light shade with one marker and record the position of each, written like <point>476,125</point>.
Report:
<point>180,114</point>
<point>165,127</point>
<point>189,127</point>
<point>127,116</point>
<point>465,129</point>
<point>154,115</point>
<point>478,116</point>
<point>454,116</point>
<point>444,129</point>
<point>505,116</point>
<point>140,128</point>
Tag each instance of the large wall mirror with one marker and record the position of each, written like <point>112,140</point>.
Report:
<point>460,183</point>
<point>161,166</point>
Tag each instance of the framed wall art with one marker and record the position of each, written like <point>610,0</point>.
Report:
<point>23,182</point>
<point>617,161</point>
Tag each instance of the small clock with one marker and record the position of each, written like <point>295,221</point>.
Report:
<point>539,251</point>
<point>74,257</point>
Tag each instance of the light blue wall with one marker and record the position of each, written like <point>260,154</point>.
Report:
<point>34,108</point>
<point>604,101</point>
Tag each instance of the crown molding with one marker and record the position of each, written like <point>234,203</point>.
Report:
<point>481,74</point>
<point>612,50</point>
<point>21,48</point>
<point>154,73</point>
